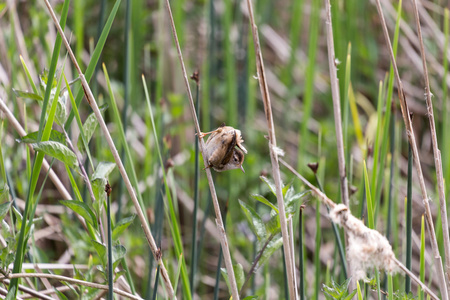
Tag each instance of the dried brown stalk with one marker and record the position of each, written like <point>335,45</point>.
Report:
<point>412,141</point>
<point>91,100</point>
<point>290,264</point>
<point>327,201</point>
<point>71,280</point>
<point>219,222</point>
<point>337,120</point>
<point>436,151</point>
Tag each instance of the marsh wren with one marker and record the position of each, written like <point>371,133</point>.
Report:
<point>220,149</point>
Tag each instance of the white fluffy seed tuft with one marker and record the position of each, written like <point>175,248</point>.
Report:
<point>367,248</point>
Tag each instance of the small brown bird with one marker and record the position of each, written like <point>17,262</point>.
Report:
<point>220,149</point>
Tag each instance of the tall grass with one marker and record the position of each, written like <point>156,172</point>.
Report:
<point>300,69</point>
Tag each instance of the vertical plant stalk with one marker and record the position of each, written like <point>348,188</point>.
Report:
<point>196,78</point>
<point>436,151</point>
<point>219,222</point>
<point>301,255</point>
<point>337,121</point>
<point>412,141</point>
<point>91,101</point>
<point>273,155</point>
<point>108,190</point>
<point>409,221</point>
<point>327,201</point>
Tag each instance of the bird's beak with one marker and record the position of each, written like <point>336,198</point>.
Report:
<point>242,169</point>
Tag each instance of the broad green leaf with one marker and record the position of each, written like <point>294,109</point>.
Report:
<point>55,136</point>
<point>290,203</point>
<point>82,209</point>
<point>273,246</point>
<point>61,113</point>
<point>118,274</point>
<point>273,226</point>
<point>98,187</point>
<point>58,151</point>
<point>264,201</point>
<point>238,274</point>
<point>118,253</point>
<point>270,184</point>
<point>121,226</point>
<point>349,297</point>
<point>4,191</point>
<point>103,169</point>
<point>255,221</point>
<point>286,188</point>
<point>89,127</point>
<point>4,208</point>
<point>60,294</point>
<point>101,251</point>
<point>27,95</point>
<point>43,79</point>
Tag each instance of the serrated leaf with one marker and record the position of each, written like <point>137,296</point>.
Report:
<point>98,187</point>
<point>60,294</point>
<point>273,226</point>
<point>4,192</point>
<point>255,221</point>
<point>89,126</point>
<point>286,189</point>
<point>118,253</point>
<point>4,208</point>
<point>121,226</point>
<point>55,136</point>
<point>58,151</point>
<point>82,209</point>
<point>349,297</point>
<point>101,251</point>
<point>27,95</point>
<point>103,169</point>
<point>264,201</point>
<point>273,246</point>
<point>118,274</point>
<point>270,184</point>
<point>238,272</point>
<point>61,113</point>
<point>239,275</point>
<point>291,202</point>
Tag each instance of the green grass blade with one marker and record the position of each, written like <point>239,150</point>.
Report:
<point>118,121</point>
<point>422,257</point>
<point>178,243</point>
<point>309,81</point>
<point>94,60</point>
<point>21,245</point>
<point>408,224</point>
<point>80,125</point>
<point>370,214</point>
<point>110,258</point>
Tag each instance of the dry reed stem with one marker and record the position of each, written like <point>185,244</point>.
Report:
<point>91,100</point>
<point>219,222</point>
<point>71,280</point>
<point>33,293</point>
<point>337,121</point>
<point>436,151</point>
<point>327,201</point>
<point>412,141</point>
<point>290,264</point>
